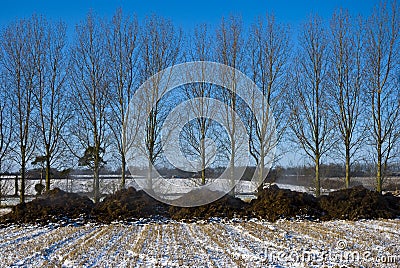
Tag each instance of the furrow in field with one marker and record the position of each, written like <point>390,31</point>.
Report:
<point>249,249</point>
<point>44,250</point>
<point>282,244</point>
<point>138,248</point>
<point>215,248</point>
<point>120,253</point>
<point>269,235</point>
<point>374,237</point>
<point>102,253</point>
<point>193,250</point>
<point>11,231</point>
<point>23,235</point>
<point>88,250</point>
<point>25,247</point>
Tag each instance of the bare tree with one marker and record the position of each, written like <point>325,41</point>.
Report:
<point>382,56</point>
<point>6,134</point>
<point>123,50</point>
<point>268,59</point>
<point>90,84</point>
<point>160,43</point>
<point>6,122</point>
<point>196,132</point>
<point>18,61</point>
<point>230,45</point>
<point>345,83</point>
<point>49,92</point>
<point>310,120</point>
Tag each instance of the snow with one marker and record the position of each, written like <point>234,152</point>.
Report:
<point>296,188</point>
<point>221,243</point>
<point>4,211</point>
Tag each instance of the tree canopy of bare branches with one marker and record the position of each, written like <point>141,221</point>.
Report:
<point>160,48</point>
<point>90,84</point>
<point>230,51</point>
<point>268,60</point>
<point>122,51</point>
<point>346,84</point>
<point>49,91</point>
<point>382,57</point>
<point>18,62</point>
<point>310,116</point>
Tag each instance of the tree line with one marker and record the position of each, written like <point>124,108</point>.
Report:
<point>333,90</point>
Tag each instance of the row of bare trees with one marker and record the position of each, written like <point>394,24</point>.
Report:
<point>346,90</point>
<point>33,70</point>
<point>333,89</point>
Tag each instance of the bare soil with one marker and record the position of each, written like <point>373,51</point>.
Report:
<point>271,204</point>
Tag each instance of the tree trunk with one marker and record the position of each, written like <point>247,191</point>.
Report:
<point>16,185</point>
<point>22,191</point>
<point>149,176</point>
<point>262,159</point>
<point>233,142</point>
<point>123,168</point>
<point>47,176</point>
<point>379,169</point>
<point>96,186</point>
<point>232,170</point>
<point>96,190</point>
<point>317,178</point>
<point>347,178</point>
<point>203,161</point>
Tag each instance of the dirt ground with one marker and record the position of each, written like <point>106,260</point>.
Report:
<point>272,203</point>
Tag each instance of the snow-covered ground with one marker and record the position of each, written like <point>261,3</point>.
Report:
<point>4,211</point>
<point>253,243</point>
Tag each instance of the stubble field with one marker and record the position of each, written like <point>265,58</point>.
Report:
<point>215,243</point>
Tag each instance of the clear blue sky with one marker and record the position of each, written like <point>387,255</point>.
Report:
<point>182,13</point>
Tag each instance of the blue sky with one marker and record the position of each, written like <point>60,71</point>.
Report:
<point>183,13</point>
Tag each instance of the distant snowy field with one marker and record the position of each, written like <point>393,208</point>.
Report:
<point>253,243</point>
<point>112,182</point>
